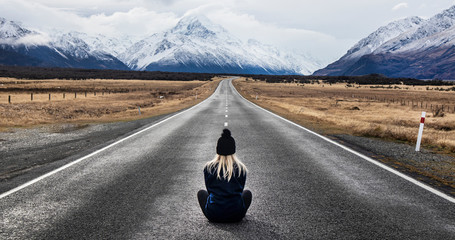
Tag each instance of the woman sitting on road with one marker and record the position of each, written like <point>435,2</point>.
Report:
<point>225,176</point>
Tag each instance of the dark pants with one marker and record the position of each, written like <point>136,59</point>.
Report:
<point>202,196</point>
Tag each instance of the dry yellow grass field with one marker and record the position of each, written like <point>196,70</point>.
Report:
<point>387,113</point>
<point>96,100</point>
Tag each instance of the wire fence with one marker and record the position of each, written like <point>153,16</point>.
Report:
<point>40,97</point>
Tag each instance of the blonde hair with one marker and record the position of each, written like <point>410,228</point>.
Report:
<point>225,165</point>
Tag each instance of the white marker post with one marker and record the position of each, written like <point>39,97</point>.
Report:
<point>419,138</point>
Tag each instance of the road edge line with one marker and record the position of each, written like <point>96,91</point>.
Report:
<point>31,182</point>
<point>381,165</point>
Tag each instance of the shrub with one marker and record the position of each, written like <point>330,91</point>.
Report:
<point>438,112</point>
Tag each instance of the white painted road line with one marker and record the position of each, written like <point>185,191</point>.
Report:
<point>5,194</point>
<point>225,124</point>
<point>383,166</point>
<point>226,115</point>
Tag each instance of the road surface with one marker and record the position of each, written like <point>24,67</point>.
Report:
<point>304,187</point>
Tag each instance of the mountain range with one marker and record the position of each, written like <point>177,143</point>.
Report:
<point>23,47</point>
<point>195,44</point>
<point>411,47</point>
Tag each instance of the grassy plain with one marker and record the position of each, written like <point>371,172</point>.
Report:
<point>372,111</point>
<point>95,100</point>
<point>363,110</point>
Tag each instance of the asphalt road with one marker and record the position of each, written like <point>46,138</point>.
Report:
<point>304,187</point>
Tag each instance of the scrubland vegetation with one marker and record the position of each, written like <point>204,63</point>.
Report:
<point>24,72</point>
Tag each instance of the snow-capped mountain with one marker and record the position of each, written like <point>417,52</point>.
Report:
<point>425,50</point>
<point>21,46</point>
<point>11,31</point>
<point>369,44</point>
<point>196,44</point>
<point>382,35</point>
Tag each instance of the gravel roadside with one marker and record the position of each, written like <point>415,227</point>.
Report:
<point>405,159</point>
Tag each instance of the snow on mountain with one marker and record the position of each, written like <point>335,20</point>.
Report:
<point>110,45</point>
<point>21,46</point>
<point>424,36</point>
<point>382,35</point>
<point>197,44</point>
<point>71,45</point>
<point>11,30</point>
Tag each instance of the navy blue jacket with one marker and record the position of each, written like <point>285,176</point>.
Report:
<point>225,203</point>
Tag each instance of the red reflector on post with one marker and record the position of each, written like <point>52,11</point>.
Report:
<point>422,120</point>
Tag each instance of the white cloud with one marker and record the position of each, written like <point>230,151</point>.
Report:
<point>137,21</point>
<point>34,39</point>
<point>400,6</point>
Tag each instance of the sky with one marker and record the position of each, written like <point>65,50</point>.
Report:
<point>325,29</point>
